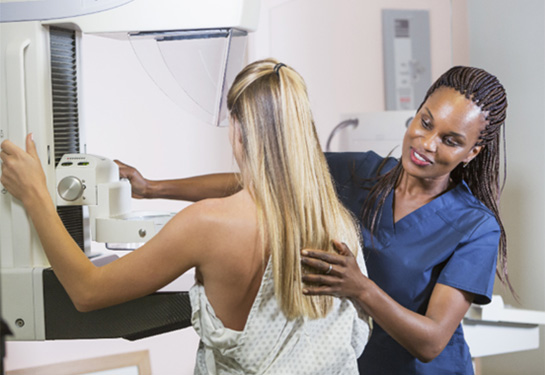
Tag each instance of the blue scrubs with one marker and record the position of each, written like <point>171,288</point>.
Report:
<point>452,240</point>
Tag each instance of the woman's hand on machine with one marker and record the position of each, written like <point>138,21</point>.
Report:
<point>334,274</point>
<point>139,185</point>
<point>22,173</point>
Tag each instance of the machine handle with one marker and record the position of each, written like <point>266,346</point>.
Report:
<point>15,81</point>
<point>17,131</point>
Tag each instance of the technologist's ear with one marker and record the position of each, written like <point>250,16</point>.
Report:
<point>472,154</point>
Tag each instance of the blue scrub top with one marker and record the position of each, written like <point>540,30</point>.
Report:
<point>452,240</point>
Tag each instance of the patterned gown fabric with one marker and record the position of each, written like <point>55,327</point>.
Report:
<point>271,344</point>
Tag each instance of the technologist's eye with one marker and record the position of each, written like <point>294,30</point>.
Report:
<point>425,124</point>
<point>449,141</point>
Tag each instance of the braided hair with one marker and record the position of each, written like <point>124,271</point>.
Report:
<point>482,173</point>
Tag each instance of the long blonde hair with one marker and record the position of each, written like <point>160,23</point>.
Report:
<point>289,179</point>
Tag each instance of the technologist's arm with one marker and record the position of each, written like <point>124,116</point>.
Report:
<point>137,274</point>
<point>190,189</point>
<point>424,336</point>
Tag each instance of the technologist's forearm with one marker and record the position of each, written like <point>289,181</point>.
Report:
<point>419,334</point>
<point>194,189</point>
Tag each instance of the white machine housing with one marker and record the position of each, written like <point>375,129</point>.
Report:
<point>93,181</point>
<point>31,64</point>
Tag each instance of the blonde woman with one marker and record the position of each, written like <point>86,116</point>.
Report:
<point>248,305</point>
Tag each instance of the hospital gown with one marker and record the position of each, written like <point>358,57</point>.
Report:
<point>271,344</point>
<point>452,240</point>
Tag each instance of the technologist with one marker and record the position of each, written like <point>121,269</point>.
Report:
<point>433,237</point>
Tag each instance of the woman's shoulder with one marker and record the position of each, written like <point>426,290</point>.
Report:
<point>218,220</point>
<point>226,211</point>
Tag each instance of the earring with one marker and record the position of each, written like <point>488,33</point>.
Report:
<point>465,164</point>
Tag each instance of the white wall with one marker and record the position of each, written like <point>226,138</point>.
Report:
<point>336,45</point>
<point>508,39</point>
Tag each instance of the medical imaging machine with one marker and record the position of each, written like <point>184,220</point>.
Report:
<point>192,50</point>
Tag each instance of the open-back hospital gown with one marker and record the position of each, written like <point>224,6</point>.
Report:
<point>452,240</point>
<point>271,344</point>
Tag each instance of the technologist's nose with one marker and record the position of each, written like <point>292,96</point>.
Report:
<point>429,142</point>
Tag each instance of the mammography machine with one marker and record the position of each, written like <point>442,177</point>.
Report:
<point>191,49</point>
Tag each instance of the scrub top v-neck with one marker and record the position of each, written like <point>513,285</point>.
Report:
<point>452,240</point>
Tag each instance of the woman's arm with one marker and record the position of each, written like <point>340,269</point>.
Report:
<point>424,336</point>
<point>190,189</point>
<point>178,247</point>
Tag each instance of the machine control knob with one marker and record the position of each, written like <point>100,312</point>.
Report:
<point>70,188</point>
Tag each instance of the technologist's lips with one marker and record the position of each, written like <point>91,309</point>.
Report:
<point>419,159</point>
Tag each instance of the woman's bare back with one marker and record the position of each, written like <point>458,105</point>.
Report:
<point>233,267</point>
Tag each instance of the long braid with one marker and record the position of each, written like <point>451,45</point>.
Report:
<point>482,174</point>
